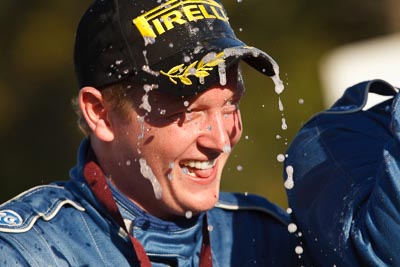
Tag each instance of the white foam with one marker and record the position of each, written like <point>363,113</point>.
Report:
<point>147,173</point>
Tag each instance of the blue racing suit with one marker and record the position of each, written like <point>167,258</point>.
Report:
<point>346,175</point>
<point>63,224</point>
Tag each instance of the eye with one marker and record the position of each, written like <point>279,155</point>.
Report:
<point>231,106</point>
<point>183,116</point>
<point>176,117</point>
<point>192,114</point>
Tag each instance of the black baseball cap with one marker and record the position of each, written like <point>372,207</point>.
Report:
<point>179,46</point>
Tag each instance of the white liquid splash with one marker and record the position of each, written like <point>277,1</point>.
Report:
<point>299,250</point>
<point>227,149</point>
<point>141,121</point>
<point>279,86</point>
<point>170,176</point>
<point>292,228</point>
<point>280,158</point>
<point>222,73</point>
<point>281,108</point>
<point>147,173</point>
<point>145,103</point>
<point>284,124</point>
<point>145,99</point>
<point>289,183</point>
<point>146,67</point>
<point>189,215</point>
<point>149,41</point>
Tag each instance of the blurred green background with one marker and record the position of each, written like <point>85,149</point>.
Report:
<point>38,133</point>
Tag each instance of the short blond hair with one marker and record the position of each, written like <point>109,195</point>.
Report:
<point>118,97</point>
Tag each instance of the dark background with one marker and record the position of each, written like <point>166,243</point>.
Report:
<point>38,133</point>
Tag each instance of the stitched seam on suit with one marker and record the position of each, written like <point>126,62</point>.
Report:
<point>92,237</point>
<point>47,245</point>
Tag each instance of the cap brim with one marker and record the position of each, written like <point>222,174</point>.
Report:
<point>255,57</point>
<point>179,74</point>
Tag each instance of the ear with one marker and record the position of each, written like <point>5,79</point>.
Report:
<point>96,113</point>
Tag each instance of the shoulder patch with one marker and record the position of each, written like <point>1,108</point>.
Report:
<point>10,218</point>
<point>250,202</point>
<point>20,213</point>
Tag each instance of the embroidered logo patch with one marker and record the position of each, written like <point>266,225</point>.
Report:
<point>199,69</point>
<point>10,218</point>
<point>177,12</point>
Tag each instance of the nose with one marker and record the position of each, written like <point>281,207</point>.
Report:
<point>215,133</point>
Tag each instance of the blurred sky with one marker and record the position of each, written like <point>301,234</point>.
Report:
<point>38,133</point>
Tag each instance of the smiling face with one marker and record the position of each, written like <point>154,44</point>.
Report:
<point>184,141</point>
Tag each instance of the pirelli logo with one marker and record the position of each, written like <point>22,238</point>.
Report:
<point>177,12</point>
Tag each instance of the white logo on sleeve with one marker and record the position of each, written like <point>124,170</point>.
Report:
<point>10,218</point>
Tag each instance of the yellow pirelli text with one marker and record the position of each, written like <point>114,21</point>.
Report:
<point>177,12</point>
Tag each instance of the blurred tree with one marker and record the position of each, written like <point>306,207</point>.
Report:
<point>392,10</point>
<point>37,129</point>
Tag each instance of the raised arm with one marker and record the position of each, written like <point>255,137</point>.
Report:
<point>346,197</point>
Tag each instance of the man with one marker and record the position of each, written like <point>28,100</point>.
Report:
<point>345,198</point>
<point>159,103</point>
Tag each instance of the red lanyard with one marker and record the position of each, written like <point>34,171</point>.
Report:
<point>98,184</point>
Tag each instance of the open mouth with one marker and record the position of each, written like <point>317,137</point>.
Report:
<point>198,169</point>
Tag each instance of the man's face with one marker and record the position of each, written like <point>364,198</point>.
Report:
<point>185,142</point>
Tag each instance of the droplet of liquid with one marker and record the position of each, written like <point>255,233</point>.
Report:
<point>189,215</point>
<point>299,250</point>
<point>185,170</point>
<point>292,228</point>
<point>280,158</point>
<point>284,125</point>
<point>239,168</point>
<point>222,73</point>
<point>280,105</point>
<point>289,183</point>
<point>227,149</point>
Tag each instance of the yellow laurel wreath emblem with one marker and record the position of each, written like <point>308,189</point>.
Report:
<point>198,69</point>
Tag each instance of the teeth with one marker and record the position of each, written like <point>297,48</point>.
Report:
<point>201,165</point>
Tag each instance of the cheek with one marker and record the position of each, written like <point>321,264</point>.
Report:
<point>167,141</point>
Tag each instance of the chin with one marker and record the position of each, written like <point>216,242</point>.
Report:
<point>204,202</point>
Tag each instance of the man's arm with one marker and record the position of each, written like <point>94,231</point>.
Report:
<point>346,195</point>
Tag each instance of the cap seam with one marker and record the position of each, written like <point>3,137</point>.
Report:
<point>131,63</point>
